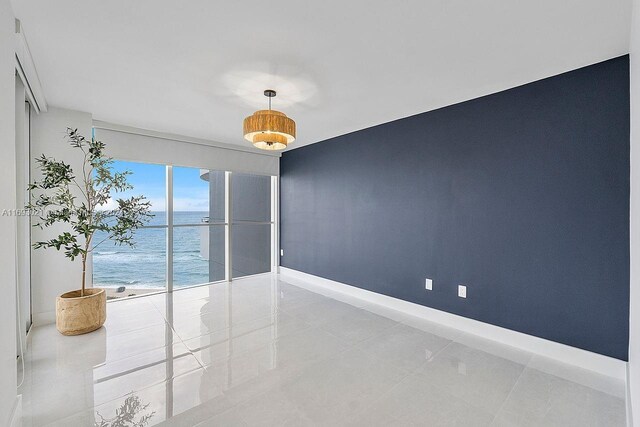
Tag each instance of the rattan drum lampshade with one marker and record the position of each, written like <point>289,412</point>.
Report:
<point>269,129</point>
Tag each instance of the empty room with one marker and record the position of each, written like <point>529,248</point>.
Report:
<point>338,213</point>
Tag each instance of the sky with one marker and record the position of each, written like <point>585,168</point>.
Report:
<point>190,193</point>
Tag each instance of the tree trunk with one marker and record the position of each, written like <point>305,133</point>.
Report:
<point>84,273</point>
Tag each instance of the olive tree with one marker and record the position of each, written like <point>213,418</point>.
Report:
<point>55,201</point>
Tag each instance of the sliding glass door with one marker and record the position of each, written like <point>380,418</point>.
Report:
<point>198,226</point>
<point>251,224</point>
<point>23,230</point>
<point>208,226</point>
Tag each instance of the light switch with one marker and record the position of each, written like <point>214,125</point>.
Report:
<point>281,252</point>
<point>462,291</point>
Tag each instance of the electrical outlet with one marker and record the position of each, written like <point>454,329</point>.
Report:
<point>281,252</point>
<point>462,291</point>
<point>428,284</point>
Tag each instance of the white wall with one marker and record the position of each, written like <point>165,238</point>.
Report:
<point>52,273</point>
<point>7,223</point>
<point>634,319</point>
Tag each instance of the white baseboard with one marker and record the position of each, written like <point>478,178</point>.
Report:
<point>46,318</point>
<point>16,415</point>
<point>628,401</point>
<point>566,354</point>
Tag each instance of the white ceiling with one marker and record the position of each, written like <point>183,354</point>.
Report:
<point>198,67</point>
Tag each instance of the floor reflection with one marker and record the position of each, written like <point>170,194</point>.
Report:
<point>234,342</point>
<point>131,413</point>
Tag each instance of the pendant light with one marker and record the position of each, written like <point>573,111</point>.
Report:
<point>269,129</point>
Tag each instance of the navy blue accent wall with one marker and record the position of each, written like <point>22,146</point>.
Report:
<point>522,195</point>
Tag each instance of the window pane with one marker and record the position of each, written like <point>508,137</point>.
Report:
<point>198,255</point>
<point>198,196</point>
<point>251,197</point>
<point>139,270</point>
<point>148,180</point>
<point>251,249</point>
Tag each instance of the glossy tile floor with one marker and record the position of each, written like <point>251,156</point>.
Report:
<point>266,352</point>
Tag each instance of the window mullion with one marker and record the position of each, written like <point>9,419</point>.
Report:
<point>169,207</point>
<point>228,219</point>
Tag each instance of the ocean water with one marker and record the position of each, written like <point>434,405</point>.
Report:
<point>144,265</point>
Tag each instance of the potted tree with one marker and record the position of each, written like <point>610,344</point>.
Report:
<point>55,200</point>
